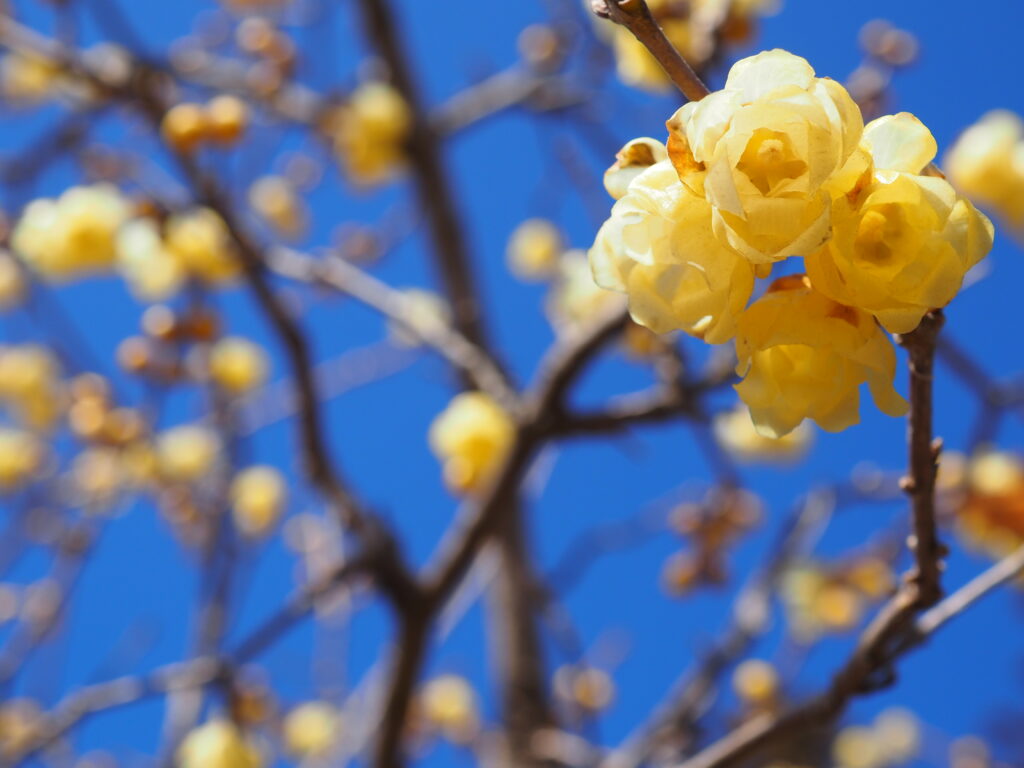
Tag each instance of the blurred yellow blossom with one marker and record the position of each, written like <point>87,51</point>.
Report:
<point>277,202</point>
<point>73,234</point>
<point>21,721</point>
<point>449,704</point>
<point>734,430</point>
<point>756,682</point>
<point>311,730</point>
<point>471,437</point>
<point>987,164</point>
<point>257,499</point>
<point>187,453</point>
<point>658,248</point>
<point>762,150</point>
<point>533,249</point>
<point>370,131</point>
<point>696,28</point>
<point>574,297</point>
<point>238,365</point>
<point>200,240</point>
<point>990,517</point>
<point>802,355</point>
<point>21,454</point>
<point>13,286</point>
<point>151,271</point>
<point>218,744</point>
<point>902,243</point>
<point>27,77</point>
<point>30,386</point>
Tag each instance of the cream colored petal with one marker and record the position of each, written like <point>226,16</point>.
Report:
<point>757,76</point>
<point>900,142</point>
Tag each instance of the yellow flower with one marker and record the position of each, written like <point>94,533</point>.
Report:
<point>151,271</point>
<point>900,245</point>
<point>471,437</point>
<point>658,248</point>
<point>735,432</point>
<point>533,249</point>
<point>257,499</point>
<point>12,282</point>
<point>856,747</point>
<point>218,744</point>
<point>28,77</point>
<point>187,453</point>
<point>97,474</point>
<point>898,733</point>
<point>633,159</point>
<point>311,730</point>
<point>575,298</point>
<point>762,149</point>
<point>449,704</point>
<point>21,454</point>
<point>803,355</point>
<point>277,202</point>
<point>238,365</point>
<point>30,384</point>
<point>756,682</point>
<point>987,163</point>
<point>73,234</point>
<point>370,131</point>
<point>200,240</point>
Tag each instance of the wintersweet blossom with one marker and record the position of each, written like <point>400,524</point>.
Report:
<point>658,248</point>
<point>150,270</point>
<point>199,239</point>
<point>901,242</point>
<point>311,730</point>
<point>471,437</point>
<point>803,355</point>
<point>735,432</point>
<point>73,234</point>
<point>218,744</point>
<point>761,151</point>
<point>238,365</point>
<point>257,499</point>
<point>187,453</point>
<point>370,132</point>
<point>533,249</point>
<point>987,163</point>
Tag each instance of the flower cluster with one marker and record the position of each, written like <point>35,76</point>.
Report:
<point>697,28</point>
<point>778,165</point>
<point>93,229</point>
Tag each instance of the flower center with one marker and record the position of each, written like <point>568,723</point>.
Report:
<point>769,159</point>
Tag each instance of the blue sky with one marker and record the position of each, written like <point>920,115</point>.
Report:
<point>137,591</point>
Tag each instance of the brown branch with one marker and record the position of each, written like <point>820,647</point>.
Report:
<point>923,460</point>
<point>635,16</point>
<point>869,667</point>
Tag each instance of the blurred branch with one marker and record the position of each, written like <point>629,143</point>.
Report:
<point>341,275</point>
